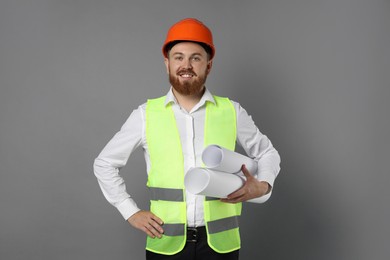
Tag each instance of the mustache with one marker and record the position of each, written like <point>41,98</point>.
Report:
<point>186,71</point>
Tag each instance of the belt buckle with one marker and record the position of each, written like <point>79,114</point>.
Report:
<point>194,235</point>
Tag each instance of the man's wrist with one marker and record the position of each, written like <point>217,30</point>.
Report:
<point>267,187</point>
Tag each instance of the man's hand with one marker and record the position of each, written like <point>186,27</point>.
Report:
<point>147,222</point>
<point>251,189</point>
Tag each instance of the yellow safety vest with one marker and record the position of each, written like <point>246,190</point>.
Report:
<point>166,177</point>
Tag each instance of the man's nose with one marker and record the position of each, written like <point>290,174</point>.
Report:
<point>187,63</point>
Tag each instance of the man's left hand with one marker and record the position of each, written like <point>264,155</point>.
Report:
<point>251,189</point>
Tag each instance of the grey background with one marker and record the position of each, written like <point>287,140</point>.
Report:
<point>313,74</point>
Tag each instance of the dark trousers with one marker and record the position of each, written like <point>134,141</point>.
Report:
<point>196,248</point>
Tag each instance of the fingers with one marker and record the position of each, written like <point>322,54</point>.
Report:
<point>237,196</point>
<point>152,230</point>
<point>148,223</point>
<point>247,191</point>
<point>238,193</point>
<point>156,219</point>
<point>245,171</point>
<point>237,199</point>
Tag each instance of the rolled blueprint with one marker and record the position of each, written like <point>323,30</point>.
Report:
<point>222,175</point>
<point>202,181</point>
<point>221,159</point>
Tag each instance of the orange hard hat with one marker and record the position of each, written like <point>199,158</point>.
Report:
<point>192,30</point>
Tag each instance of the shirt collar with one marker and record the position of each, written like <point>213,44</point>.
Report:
<point>207,96</point>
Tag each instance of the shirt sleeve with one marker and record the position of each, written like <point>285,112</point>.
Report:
<point>113,157</point>
<point>258,147</point>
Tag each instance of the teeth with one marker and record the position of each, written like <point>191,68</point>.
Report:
<point>186,76</point>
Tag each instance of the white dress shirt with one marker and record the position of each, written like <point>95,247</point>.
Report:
<point>190,125</point>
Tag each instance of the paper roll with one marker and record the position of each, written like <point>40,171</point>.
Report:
<point>221,159</point>
<point>202,181</point>
<point>214,181</point>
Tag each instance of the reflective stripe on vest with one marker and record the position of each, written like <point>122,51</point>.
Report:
<point>222,224</point>
<point>174,229</point>
<point>166,194</point>
<point>166,177</point>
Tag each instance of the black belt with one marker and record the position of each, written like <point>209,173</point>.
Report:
<point>194,234</point>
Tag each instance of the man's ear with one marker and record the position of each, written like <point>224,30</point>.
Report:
<point>166,61</point>
<point>209,66</point>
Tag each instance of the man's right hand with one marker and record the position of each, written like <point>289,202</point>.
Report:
<point>147,222</point>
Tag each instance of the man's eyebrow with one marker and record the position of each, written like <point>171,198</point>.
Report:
<point>177,53</point>
<point>196,53</point>
<point>193,54</point>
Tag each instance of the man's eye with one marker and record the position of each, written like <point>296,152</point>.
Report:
<point>178,58</point>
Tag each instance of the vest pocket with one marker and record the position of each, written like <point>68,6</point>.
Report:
<point>171,212</point>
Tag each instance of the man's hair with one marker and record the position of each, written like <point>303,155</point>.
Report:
<point>205,47</point>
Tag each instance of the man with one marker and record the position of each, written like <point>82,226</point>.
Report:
<point>173,130</point>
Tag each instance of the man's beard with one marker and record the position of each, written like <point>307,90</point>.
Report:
<point>187,88</point>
